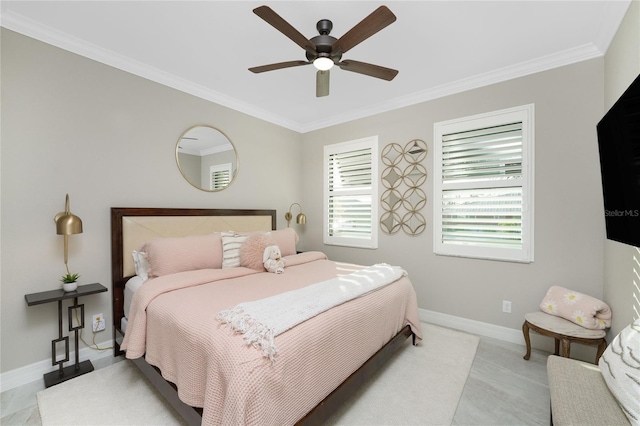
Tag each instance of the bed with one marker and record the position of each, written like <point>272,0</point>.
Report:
<point>171,327</point>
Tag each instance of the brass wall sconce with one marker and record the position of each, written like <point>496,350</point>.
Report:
<point>301,219</point>
<point>67,224</point>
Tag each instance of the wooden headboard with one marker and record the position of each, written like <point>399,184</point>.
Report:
<point>132,226</point>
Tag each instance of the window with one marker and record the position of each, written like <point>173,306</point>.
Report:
<point>483,185</point>
<point>351,193</point>
<point>220,176</point>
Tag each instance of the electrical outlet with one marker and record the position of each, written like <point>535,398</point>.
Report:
<point>99,323</point>
<point>506,306</point>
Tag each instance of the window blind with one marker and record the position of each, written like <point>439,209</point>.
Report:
<point>482,189</point>
<point>349,188</point>
<point>493,153</point>
<point>220,179</point>
<point>490,217</point>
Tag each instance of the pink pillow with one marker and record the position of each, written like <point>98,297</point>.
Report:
<point>286,239</point>
<point>252,250</point>
<point>576,307</point>
<point>171,255</point>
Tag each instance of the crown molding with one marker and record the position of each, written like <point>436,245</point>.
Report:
<point>30,28</point>
<point>608,31</point>
<point>567,57</point>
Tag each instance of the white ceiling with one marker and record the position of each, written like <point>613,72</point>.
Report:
<point>205,47</point>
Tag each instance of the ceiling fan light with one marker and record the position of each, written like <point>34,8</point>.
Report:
<point>323,63</point>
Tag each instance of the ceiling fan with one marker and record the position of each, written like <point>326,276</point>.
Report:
<point>325,51</point>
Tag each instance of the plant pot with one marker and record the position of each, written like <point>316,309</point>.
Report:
<point>69,286</point>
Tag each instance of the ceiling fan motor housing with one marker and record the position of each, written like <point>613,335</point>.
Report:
<point>324,42</point>
<point>324,26</point>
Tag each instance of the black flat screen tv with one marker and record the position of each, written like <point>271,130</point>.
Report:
<point>619,145</point>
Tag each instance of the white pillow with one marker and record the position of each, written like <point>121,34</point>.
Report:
<point>620,368</point>
<point>141,264</point>
<point>231,245</point>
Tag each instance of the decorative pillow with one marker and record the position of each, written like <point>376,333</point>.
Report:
<point>231,244</point>
<point>620,368</point>
<point>141,264</point>
<point>252,250</point>
<point>576,307</point>
<point>286,239</point>
<point>170,255</point>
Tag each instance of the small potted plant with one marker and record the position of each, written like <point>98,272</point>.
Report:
<point>70,282</point>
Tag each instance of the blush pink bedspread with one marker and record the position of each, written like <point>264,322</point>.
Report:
<point>172,321</point>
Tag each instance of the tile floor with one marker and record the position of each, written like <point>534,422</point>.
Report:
<point>502,389</point>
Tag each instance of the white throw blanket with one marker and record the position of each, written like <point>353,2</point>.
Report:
<point>262,320</point>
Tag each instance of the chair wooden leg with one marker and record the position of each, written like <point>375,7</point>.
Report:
<point>601,348</point>
<point>565,347</point>
<point>525,332</point>
<point>557,347</point>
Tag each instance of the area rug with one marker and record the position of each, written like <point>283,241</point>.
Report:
<point>419,386</point>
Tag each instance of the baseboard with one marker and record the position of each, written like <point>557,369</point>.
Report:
<point>32,372</point>
<point>471,326</point>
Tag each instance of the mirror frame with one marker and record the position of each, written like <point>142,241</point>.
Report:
<point>237,158</point>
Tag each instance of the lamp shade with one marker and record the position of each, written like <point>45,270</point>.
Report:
<point>301,219</point>
<point>323,63</point>
<point>66,222</point>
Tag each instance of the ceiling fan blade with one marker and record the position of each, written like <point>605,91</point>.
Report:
<point>322,83</point>
<point>277,22</point>
<point>277,66</point>
<point>377,20</point>
<point>368,69</point>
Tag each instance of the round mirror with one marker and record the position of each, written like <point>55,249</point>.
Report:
<point>206,158</point>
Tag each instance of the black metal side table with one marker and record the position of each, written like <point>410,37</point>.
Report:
<point>79,368</point>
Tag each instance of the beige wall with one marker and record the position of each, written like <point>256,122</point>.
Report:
<point>106,137</point>
<point>621,261</point>
<point>569,224</point>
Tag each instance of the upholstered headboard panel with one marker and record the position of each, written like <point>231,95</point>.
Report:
<point>130,227</point>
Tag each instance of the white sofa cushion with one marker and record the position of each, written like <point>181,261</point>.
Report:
<point>620,367</point>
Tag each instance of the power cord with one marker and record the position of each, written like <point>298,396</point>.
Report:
<point>95,345</point>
